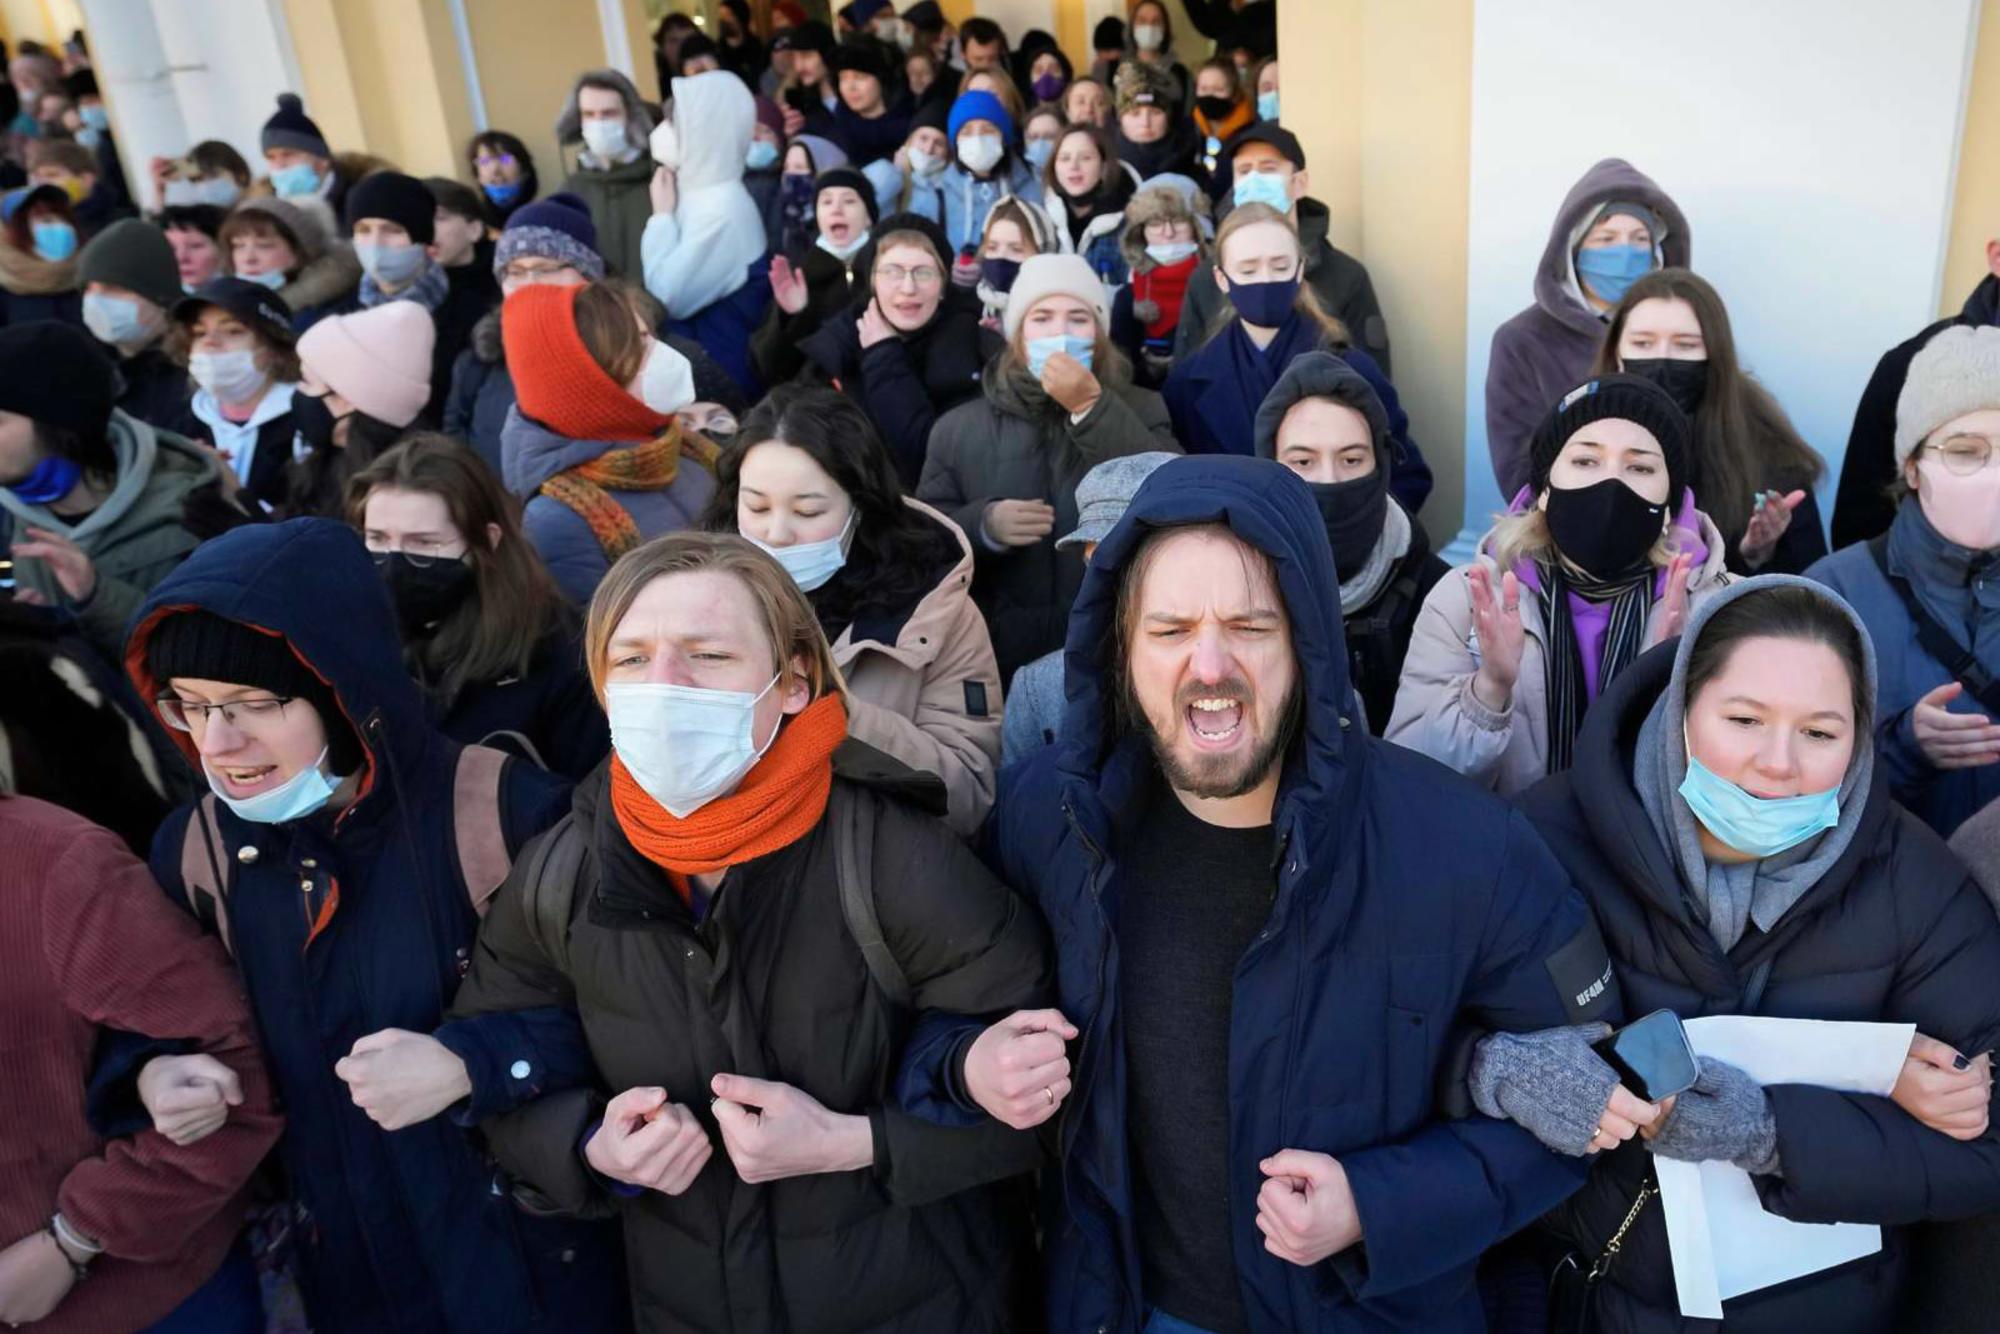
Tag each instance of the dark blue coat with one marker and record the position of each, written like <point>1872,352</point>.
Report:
<point>411,1230</point>
<point>724,328</point>
<point>1409,906</point>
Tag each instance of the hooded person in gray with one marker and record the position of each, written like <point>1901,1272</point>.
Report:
<point>1547,349</point>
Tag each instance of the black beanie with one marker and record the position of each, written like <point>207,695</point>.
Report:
<point>1630,398</point>
<point>290,127</point>
<point>403,200</point>
<point>852,180</point>
<point>1108,35</point>
<point>207,647</point>
<point>54,373</point>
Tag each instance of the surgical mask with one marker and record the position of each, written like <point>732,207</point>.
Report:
<point>843,253</point>
<point>1148,36</point>
<point>1041,349</point>
<point>52,479</point>
<point>666,381</point>
<point>605,138</point>
<point>999,274</point>
<point>294,799</point>
<point>112,319</point>
<point>1606,528</point>
<point>924,164</point>
<point>1964,510</point>
<point>1170,252</point>
<point>219,191</point>
<point>502,193</point>
<point>685,745</point>
<point>89,136</point>
<point>54,241</point>
<point>1264,187</point>
<point>424,594</point>
<point>97,118</point>
<point>1760,826</point>
<point>1038,152</point>
<point>761,155</point>
<point>391,265</point>
<point>232,376</point>
<point>296,180</point>
<point>980,153</point>
<point>271,279</point>
<point>1685,381</point>
<point>1267,106</point>
<point>811,564</point>
<point>1047,87</point>
<point>1267,305</point>
<point>1611,270</point>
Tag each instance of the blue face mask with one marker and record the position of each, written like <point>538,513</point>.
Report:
<point>1267,106</point>
<point>89,136</point>
<point>1612,270</point>
<point>502,193</point>
<point>54,241</point>
<point>97,118</point>
<point>294,799</point>
<point>1041,349</point>
<point>1266,305</point>
<point>1760,826</point>
<point>811,564</point>
<point>1265,187</point>
<point>52,479</point>
<point>1038,152</point>
<point>112,319</point>
<point>295,180</point>
<point>391,264</point>
<point>762,155</point>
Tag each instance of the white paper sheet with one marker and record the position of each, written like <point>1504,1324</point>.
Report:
<point>1723,1242</point>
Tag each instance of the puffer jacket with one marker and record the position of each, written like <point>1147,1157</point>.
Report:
<point>1436,710</point>
<point>770,984</point>
<point>1012,443</point>
<point>967,199</point>
<point>345,925</point>
<point>1546,350</point>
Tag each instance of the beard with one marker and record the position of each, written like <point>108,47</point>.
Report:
<point>1213,777</point>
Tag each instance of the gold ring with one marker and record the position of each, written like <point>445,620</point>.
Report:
<point>1050,1094</point>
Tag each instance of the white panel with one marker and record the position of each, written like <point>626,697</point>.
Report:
<point>1016,17</point>
<point>227,63</point>
<point>1811,144</point>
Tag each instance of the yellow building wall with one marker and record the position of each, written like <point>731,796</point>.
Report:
<point>526,67</point>
<point>1975,214</point>
<point>29,20</point>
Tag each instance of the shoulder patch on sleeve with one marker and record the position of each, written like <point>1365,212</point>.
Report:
<point>1584,976</point>
<point>975,699</point>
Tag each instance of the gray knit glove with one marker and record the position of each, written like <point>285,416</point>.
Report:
<point>1551,1084</point>
<point>1724,1118</point>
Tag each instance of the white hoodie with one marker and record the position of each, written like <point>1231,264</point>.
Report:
<point>703,250</point>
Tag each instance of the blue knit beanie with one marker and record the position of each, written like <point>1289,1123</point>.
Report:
<point>557,228</point>
<point>981,105</point>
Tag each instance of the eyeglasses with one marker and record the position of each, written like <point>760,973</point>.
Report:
<point>1964,455</point>
<point>494,160</point>
<point>419,551</point>
<point>540,273</point>
<point>923,275</point>
<point>248,715</point>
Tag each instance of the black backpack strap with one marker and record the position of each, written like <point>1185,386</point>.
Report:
<point>1937,641</point>
<point>853,854</point>
<point>205,870</point>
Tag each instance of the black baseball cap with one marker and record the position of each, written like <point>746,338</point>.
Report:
<point>1262,132</point>
<point>258,307</point>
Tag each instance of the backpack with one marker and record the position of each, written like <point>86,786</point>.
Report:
<point>559,873</point>
<point>478,829</point>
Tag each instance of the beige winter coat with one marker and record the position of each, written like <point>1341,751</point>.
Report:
<point>932,698</point>
<point>1436,711</point>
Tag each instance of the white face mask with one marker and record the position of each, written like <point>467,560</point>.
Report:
<point>811,564</point>
<point>1965,510</point>
<point>233,376</point>
<point>605,138</point>
<point>666,381</point>
<point>1170,252</point>
<point>980,152</point>
<point>843,253</point>
<point>685,745</point>
<point>924,164</point>
<point>1148,36</point>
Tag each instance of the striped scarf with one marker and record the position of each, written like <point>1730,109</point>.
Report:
<point>1631,599</point>
<point>651,466</point>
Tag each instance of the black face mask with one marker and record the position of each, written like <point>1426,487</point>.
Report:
<point>999,274</point>
<point>1686,382</point>
<point>314,420</point>
<point>1606,528</point>
<point>366,437</point>
<point>424,594</point>
<point>1353,512</point>
<point>1217,109</point>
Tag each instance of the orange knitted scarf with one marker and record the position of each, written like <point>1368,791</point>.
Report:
<point>651,466</point>
<point>778,802</point>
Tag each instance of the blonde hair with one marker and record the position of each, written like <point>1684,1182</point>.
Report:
<point>1525,537</point>
<point>789,622</point>
<point>1307,303</point>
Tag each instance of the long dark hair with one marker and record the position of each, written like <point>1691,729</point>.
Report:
<point>1743,442</point>
<point>496,632</point>
<point>898,553</point>
<point>512,146</point>
<point>1783,611</point>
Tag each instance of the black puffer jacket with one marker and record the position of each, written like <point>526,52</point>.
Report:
<point>771,985</point>
<point>1894,931</point>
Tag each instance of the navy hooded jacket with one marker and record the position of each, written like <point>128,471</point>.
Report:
<point>348,925</point>
<point>1409,908</point>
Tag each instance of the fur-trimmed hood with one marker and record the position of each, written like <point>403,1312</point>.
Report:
<point>1159,201</point>
<point>639,118</point>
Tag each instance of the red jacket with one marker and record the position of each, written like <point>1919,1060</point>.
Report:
<point>88,939</point>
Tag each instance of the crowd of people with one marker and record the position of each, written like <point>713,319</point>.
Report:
<point>837,714</point>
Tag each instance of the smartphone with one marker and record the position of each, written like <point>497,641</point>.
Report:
<point>1652,1056</point>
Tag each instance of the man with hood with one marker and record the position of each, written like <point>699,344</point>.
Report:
<point>1614,226</point>
<point>613,174</point>
<point>1268,927</point>
<point>1324,422</point>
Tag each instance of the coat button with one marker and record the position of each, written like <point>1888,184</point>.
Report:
<point>306,885</point>
<point>309,864</point>
<point>247,855</point>
<point>520,1069</point>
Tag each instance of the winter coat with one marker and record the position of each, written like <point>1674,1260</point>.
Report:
<point>725,327</point>
<point>560,535</point>
<point>1862,508</point>
<point>774,349</point>
<point>769,984</point>
<point>1941,798</point>
<point>1546,350</point>
<point>1437,711</point>
<point>621,203</point>
<point>549,716</point>
<point>134,538</point>
<point>1336,277</point>
<point>33,288</point>
<point>1405,935</point>
<point>908,382</point>
<point>328,279</point>
<point>923,688</point>
<point>261,448</point>
<point>967,200</point>
<point>1003,446</point>
<point>1893,932</point>
<point>345,926</point>
<point>470,296</point>
<point>1099,245</point>
<point>86,941</point>
<point>157,392</point>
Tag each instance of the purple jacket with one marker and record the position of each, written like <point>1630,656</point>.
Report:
<point>1546,350</point>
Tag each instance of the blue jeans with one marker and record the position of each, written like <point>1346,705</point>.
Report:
<point>1162,1323</point>
<point>227,1304</point>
